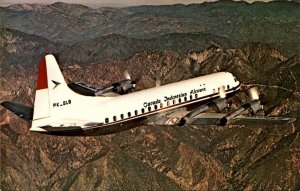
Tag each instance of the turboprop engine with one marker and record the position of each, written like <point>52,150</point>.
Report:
<point>251,107</point>
<point>217,105</point>
<point>120,87</point>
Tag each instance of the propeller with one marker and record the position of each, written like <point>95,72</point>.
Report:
<point>120,87</point>
<point>127,75</point>
<point>254,94</point>
<point>126,85</point>
<point>134,76</point>
<point>255,102</point>
<point>129,79</point>
<point>222,92</point>
<point>157,83</point>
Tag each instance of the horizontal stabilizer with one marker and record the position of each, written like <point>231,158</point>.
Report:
<point>23,111</point>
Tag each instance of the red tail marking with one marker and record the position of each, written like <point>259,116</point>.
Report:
<point>42,82</point>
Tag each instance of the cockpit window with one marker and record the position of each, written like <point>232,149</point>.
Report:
<point>235,80</point>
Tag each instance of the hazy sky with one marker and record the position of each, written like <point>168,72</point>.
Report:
<point>117,3</point>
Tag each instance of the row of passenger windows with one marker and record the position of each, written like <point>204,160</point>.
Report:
<point>160,105</point>
<point>226,88</point>
<point>143,110</point>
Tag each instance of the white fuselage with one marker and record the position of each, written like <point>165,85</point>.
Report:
<point>98,112</point>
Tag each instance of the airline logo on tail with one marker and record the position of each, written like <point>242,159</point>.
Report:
<point>55,83</point>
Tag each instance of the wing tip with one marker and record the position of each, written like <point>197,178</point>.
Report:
<point>291,120</point>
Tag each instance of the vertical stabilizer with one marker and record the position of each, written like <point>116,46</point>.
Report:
<point>56,105</point>
<point>52,92</point>
<point>41,102</point>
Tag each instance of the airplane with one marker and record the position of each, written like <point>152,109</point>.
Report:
<point>80,110</point>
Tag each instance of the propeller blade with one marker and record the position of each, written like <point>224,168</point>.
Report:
<point>127,75</point>
<point>254,94</point>
<point>134,74</point>
<point>157,83</point>
<point>222,92</point>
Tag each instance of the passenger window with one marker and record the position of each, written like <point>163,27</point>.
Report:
<point>115,118</point>
<point>106,120</point>
<point>168,103</point>
<point>191,97</point>
<point>179,100</point>
<point>143,110</point>
<point>196,96</point>
<point>155,107</point>
<point>129,114</point>
<point>136,112</point>
<point>122,116</point>
<point>174,101</point>
<point>185,99</point>
<point>149,109</point>
<point>228,87</point>
<point>161,105</point>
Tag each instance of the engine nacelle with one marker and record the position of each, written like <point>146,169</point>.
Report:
<point>217,105</point>
<point>252,108</point>
<point>255,106</point>
<point>121,87</point>
<point>125,86</point>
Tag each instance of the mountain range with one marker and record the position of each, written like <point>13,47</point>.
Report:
<point>276,22</point>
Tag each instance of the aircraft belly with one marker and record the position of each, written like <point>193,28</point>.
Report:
<point>94,130</point>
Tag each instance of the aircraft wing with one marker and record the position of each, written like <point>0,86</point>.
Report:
<point>215,118</point>
<point>177,118</point>
<point>82,88</point>
<point>85,89</point>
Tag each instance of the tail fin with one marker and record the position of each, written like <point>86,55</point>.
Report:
<point>51,90</point>
<point>55,104</point>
